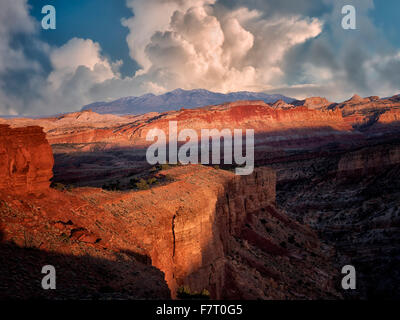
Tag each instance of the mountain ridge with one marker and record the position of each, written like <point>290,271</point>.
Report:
<point>176,99</point>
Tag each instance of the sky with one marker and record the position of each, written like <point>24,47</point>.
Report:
<point>102,50</point>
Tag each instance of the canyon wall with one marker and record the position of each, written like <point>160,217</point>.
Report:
<point>186,227</point>
<point>92,149</point>
<point>352,199</point>
<point>41,226</point>
<point>130,131</point>
<point>369,160</point>
<point>26,159</point>
<point>209,229</point>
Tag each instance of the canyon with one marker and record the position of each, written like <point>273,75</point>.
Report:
<point>207,229</point>
<point>324,194</point>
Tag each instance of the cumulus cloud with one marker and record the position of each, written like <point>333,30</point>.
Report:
<point>150,17</point>
<point>258,45</point>
<point>26,86</point>
<point>78,53</point>
<point>297,48</point>
<point>199,44</point>
<point>342,62</point>
<point>76,67</point>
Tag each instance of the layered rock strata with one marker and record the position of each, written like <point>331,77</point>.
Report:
<point>26,159</point>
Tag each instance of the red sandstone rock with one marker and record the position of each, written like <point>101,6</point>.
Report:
<point>208,229</point>
<point>26,160</point>
<point>391,116</point>
<point>314,103</point>
<point>190,229</point>
<point>131,131</point>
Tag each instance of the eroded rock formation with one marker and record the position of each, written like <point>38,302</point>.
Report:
<point>26,160</point>
<point>314,103</point>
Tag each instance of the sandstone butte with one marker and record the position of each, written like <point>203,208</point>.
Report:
<point>207,230</point>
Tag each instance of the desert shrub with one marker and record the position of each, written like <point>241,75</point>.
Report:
<point>57,186</point>
<point>152,180</point>
<point>185,293</point>
<point>142,185</point>
<point>205,293</point>
<point>184,290</point>
<point>64,238</point>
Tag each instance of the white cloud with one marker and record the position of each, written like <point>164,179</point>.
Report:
<point>78,53</point>
<point>26,88</point>
<point>252,45</point>
<point>12,11</point>
<point>151,16</point>
<point>197,46</point>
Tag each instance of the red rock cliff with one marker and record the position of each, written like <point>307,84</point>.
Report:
<point>26,159</point>
<point>207,230</point>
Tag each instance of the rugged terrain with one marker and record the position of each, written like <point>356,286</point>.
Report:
<point>335,168</point>
<point>91,149</point>
<point>207,231</point>
<point>353,201</point>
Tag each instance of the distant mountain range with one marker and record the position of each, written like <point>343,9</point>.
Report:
<point>177,99</point>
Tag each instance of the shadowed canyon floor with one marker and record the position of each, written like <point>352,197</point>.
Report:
<point>355,208</point>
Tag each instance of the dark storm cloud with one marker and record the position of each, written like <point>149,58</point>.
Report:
<point>341,62</point>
